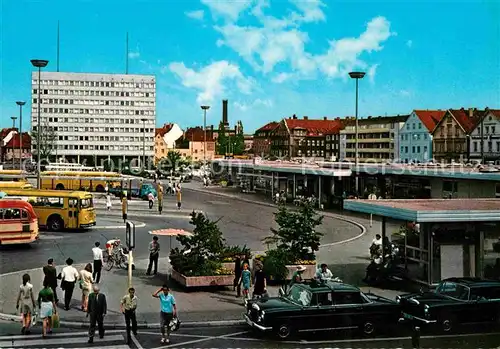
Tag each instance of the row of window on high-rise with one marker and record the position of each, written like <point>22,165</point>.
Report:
<point>95,93</point>
<point>112,84</point>
<point>94,111</point>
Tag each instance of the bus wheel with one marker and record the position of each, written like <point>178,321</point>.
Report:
<point>99,188</point>
<point>60,186</point>
<point>55,223</point>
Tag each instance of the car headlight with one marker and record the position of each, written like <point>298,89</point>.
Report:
<point>398,299</point>
<point>426,311</point>
<point>260,318</point>
<point>245,302</point>
<point>255,306</point>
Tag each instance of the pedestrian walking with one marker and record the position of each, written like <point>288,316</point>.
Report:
<point>128,307</point>
<point>50,273</point>
<point>86,282</point>
<point>151,199</point>
<point>26,303</point>
<point>246,280</point>
<point>108,202</point>
<point>47,308</point>
<point>168,310</point>
<point>260,283</point>
<point>98,262</point>
<point>179,196</point>
<point>96,310</point>
<point>154,253</point>
<point>69,277</point>
<point>237,275</point>
<point>124,207</point>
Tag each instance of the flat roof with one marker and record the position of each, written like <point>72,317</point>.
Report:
<point>455,171</point>
<point>430,210</point>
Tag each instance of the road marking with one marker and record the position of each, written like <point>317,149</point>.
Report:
<point>63,334</point>
<point>175,334</point>
<point>209,338</point>
<point>136,342</point>
<point>56,341</point>
<point>156,215</point>
<point>137,225</point>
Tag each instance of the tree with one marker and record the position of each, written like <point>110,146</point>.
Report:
<point>170,162</point>
<point>48,137</point>
<point>239,140</point>
<point>296,234</point>
<point>221,139</point>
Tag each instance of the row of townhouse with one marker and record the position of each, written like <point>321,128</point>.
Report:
<point>442,135</point>
<point>10,146</point>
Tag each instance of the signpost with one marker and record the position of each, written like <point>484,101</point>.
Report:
<point>130,241</point>
<point>372,197</point>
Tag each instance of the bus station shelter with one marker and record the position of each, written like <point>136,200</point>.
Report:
<point>442,237</point>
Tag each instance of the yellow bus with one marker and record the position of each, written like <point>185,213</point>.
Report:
<point>13,175</point>
<point>15,185</point>
<point>58,210</point>
<point>79,180</point>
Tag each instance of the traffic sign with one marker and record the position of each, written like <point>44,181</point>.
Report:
<point>130,235</point>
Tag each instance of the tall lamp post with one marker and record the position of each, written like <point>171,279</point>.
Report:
<point>14,118</point>
<point>205,108</point>
<point>356,75</point>
<point>20,104</point>
<point>143,143</point>
<point>38,63</point>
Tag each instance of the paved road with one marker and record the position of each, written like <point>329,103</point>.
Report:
<point>233,337</point>
<point>242,224</point>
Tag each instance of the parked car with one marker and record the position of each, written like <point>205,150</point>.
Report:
<point>321,306</point>
<point>455,302</point>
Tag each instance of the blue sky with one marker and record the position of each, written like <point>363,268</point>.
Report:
<point>271,59</point>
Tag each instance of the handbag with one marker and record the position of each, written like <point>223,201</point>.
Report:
<point>55,321</point>
<point>34,317</point>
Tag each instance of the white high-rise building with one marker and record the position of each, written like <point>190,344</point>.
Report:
<point>96,117</point>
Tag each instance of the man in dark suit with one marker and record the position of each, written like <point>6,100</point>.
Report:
<point>51,277</point>
<point>96,309</point>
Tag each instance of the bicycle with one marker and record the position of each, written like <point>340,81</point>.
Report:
<point>116,258</point>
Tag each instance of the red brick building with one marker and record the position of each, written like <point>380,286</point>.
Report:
<point>262,139</point>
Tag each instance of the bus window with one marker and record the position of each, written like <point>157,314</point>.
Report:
<point>24,214</point>
<point>86,203</point>
<point>50,202</point>
<point>12,213</point>
<point>16,213</point>
<point>1,213</point>
<point>73,203</point>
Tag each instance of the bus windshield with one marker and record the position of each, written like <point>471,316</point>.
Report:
<point>87,203</point>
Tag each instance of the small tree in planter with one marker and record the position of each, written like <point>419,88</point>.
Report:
<point>200,253</point>
<point>296,239</point>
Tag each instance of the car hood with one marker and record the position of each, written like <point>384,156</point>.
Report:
<point>275,303</point>
<point>428,298</point>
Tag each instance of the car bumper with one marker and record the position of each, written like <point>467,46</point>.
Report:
<point>255,325</point>
<point>83,226</point>
<point>408,317</point>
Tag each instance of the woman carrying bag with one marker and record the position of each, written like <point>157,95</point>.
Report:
<point>47,308</point>
<point>26,300</point>
<point>86,281</point>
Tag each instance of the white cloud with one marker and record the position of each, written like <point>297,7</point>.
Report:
<point>134,54</point>
<point>229,9</point>
<point>371,72</point>
<point>311,10</point>
<point>198,14</point>
<point>210,80</point>
<point>255,104</point>
<point>409,43</point>
<point>281,77</point>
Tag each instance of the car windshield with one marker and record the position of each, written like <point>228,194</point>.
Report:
<point>299,295</point>
<point>454,290</point>
<point>87,203</point>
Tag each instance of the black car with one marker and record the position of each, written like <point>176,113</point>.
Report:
<point>321,306</point>
<point>455,302</point>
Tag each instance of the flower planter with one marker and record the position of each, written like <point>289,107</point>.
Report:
<point>228,265</point>
<point>202,281</point>
<point>309,273</point>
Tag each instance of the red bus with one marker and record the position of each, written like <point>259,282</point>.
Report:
<point>18,222</point>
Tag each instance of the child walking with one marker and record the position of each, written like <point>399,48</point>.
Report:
<point>245,280</point>
<point>26,301</point>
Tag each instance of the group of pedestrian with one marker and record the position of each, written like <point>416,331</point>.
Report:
<point>244,279</point>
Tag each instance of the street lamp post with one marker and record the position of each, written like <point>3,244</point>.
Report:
<point>20,104</point>
<point>38,63</point>
<point>205,108</point>
<point>143,143</point>
<point>14,118</point>
<point>357,76</point>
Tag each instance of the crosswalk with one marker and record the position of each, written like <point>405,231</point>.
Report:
<point>65,340</point>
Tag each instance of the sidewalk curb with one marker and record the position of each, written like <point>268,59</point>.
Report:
<point>121,326</point>
<point>326,214</point>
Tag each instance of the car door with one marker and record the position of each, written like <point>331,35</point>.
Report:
<point>321,311</point>
<point>484,304</point>
<point>73,214</point>
<point>348,309</point>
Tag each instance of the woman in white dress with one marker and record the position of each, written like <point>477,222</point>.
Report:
<point>26,303</point>
<point>108,202</point>
<point>86,281</point>
<point>47,307</point>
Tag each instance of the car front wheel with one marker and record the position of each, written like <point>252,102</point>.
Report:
<point>447,324</point>
<point>368,328</point>
<point>284,331</point>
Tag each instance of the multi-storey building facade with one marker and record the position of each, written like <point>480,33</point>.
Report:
<point>192,144</point>
<point>450,138</point>
<point>378,138</point>
<point>165,138</point>
<point>415,139</point>
<point>13,149</point>
<point>305,137</point>
<point>262,139</point>
<point>485,138</point>
<point>97,117</point>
